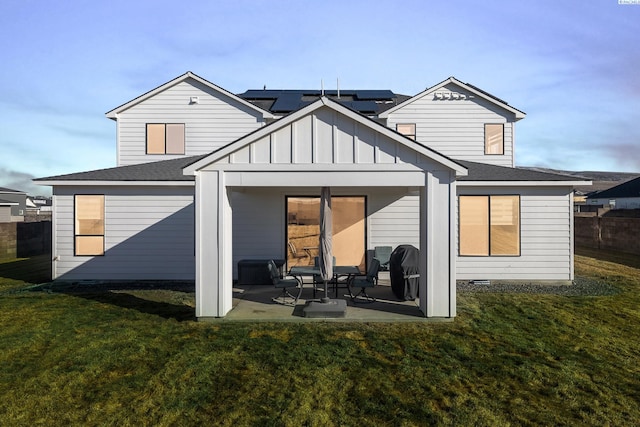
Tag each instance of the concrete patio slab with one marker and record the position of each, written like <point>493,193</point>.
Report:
<point>254,303</point>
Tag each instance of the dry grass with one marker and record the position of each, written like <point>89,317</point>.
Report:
<point>508,359</point>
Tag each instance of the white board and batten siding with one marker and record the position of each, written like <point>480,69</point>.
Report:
<point>149,235</point>
<point>326,137</point>
<point>546,233</point>
<point>215,120</point>
<point>455,127</point>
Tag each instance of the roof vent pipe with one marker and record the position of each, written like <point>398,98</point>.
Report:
<point>338,85</point>
<point>321,87</point>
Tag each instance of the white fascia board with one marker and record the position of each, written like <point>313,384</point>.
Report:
<point>314,167</point>
<point>319,179</point>
<point>521,183</point>
<point>116,183</point>
<point>323,101</point>
<point>518,114</point>
<point>113,114</point>
<point>9,203</point>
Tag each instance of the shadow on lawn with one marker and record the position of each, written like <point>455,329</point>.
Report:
<point>167,310</point>
<point>170,300</point>
<point>36,269</point>
<point>624,258</point>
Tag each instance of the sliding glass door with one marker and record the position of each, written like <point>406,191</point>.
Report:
<point>303,230</point>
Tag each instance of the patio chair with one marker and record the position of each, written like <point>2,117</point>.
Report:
<point>282,283</point>
<point>383,254</point>
<point>294,251</point>
<point>364,282</point>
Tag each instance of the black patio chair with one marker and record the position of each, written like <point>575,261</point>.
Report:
<point>365,282</point>
<point>383,254</point>
<point>283,283</point>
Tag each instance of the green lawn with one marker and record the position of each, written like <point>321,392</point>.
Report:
<point>507,359</point>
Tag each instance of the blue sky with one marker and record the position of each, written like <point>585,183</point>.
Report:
<point>570,65</point>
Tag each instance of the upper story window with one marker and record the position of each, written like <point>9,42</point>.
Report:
<point>165,138</point>
<point>89,224</point>
<point>489,225</point>
<point>407,129</point>
<point>494,138</point>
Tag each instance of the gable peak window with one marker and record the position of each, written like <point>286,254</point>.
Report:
<point>407,129</point>
<point>494,138</point>
<point>165,138</point>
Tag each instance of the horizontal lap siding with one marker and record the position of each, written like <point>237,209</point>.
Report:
<point>545,233</point>
<point>394,219</point>
<point>149,235</point>
<point>455,128</point>
<point>258,225</point>
<point>259,220</point>
<point>213,122</point>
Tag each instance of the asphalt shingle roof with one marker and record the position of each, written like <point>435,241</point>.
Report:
<point>8,190</point>
<point>626,189</point>
<point>165,170</point>
<point>485,172</point>
<point>171,170</point>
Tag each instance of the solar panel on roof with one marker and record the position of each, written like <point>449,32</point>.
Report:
<point>261,94</point>
<point>374,94</point>
<point>361,106</point>
<point>287,102</point>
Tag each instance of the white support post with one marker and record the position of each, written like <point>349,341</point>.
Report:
<point>425,233</point>
<point>214,272</point>
<point>437,261</point>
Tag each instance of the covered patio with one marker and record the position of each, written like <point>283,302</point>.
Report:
<point>254,303</point>
<point>323,144</point>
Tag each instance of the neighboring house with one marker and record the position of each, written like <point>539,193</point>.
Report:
<point>206,178</point>
<point>5,210</point>
<point>623,196</point>
<point>13,204</point>
<point>39,204</point>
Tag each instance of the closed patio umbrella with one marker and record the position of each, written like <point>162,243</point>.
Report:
<point>326,307</point>
<point>325,250</point>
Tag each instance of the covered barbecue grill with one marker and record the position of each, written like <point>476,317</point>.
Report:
<point>404,272</point>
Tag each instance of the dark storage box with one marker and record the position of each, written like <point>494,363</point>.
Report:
<point>256,272</point>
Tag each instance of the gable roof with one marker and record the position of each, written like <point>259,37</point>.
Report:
<point>325,102</point>
<point>167,171</point>
<point>469,87</point>
<point>188,75</point>
<point>8,190</point>
<point>161,171</point>
<point>626,189</point>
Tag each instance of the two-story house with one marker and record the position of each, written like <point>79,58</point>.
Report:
<point>206,178</point>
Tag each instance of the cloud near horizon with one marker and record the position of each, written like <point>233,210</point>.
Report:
<point>22,181</point>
